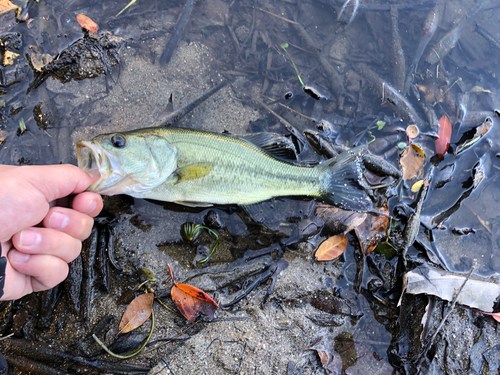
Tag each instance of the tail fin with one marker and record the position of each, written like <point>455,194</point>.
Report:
<point>340,181</point>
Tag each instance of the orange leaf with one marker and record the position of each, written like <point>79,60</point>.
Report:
<point>444,136</point>
<point>136,313</point>
<point>87,23</point>
<point>191,307</point>
<point>196,293</point>
<point>331,248</point>
<point>192,301</point>
<point>412,159</point>
<point>6,6</point>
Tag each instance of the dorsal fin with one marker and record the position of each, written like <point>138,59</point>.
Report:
<point>277,145</point>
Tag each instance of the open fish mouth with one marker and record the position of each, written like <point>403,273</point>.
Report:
<point>90,158</point>
<point>94,160</point>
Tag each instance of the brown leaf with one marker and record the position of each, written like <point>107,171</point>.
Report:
<point>338,220</point>
<point>372,230</point>
<point>87,23</point>
<point>330,359</point>
<point>331,248</point>
<point>412,159</point>
<point>136,313</point>
<point>191,307</point>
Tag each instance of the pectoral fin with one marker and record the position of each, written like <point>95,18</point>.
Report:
<point>193,172</point>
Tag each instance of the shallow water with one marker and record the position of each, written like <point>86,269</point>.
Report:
<point>134,93</point>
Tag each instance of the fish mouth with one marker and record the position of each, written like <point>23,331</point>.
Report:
<point>94,160</point>
<point>90,158</point>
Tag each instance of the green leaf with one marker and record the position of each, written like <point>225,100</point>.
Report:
<point>22,125</point>
<point>380,124</point>
<point>386,249</point>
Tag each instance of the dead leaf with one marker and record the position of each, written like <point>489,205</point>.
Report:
<point>331,248</point>
<point>192,307</point>
<point>192,301</point>
<point>6,6</point>
<point>330,359</point>
<point>372,230</point>
<point>478,292</point>
<point>412,160</point>
<point>196,293</point>
<point>136,313</point>
<point>479,133</point>
<point>9,57</point>
<point>87,23</point>
<point>3,134</point>
<point>444,136</point>
<point>338,220</point>
<point>38,60</point>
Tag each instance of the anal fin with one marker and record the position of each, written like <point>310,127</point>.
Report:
<point>194,204</point>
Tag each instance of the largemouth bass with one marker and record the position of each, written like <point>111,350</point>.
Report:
<point>198,168</point>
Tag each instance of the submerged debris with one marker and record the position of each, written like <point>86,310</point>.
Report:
<point>88,57</point>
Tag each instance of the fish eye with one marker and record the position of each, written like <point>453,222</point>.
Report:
<point>118,141</point>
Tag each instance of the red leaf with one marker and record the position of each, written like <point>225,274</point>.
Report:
<point>137,312</point>
<point>444,136</point>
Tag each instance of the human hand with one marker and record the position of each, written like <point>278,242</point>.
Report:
<point>39,234</point>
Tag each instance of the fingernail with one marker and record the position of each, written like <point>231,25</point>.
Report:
<point>30,237</point>
<point>58,220</point>
<point>91,207</point>
<point>94,176</point>
<point>18,257</point>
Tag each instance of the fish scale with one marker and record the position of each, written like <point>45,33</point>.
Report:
<point>238,168</point>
